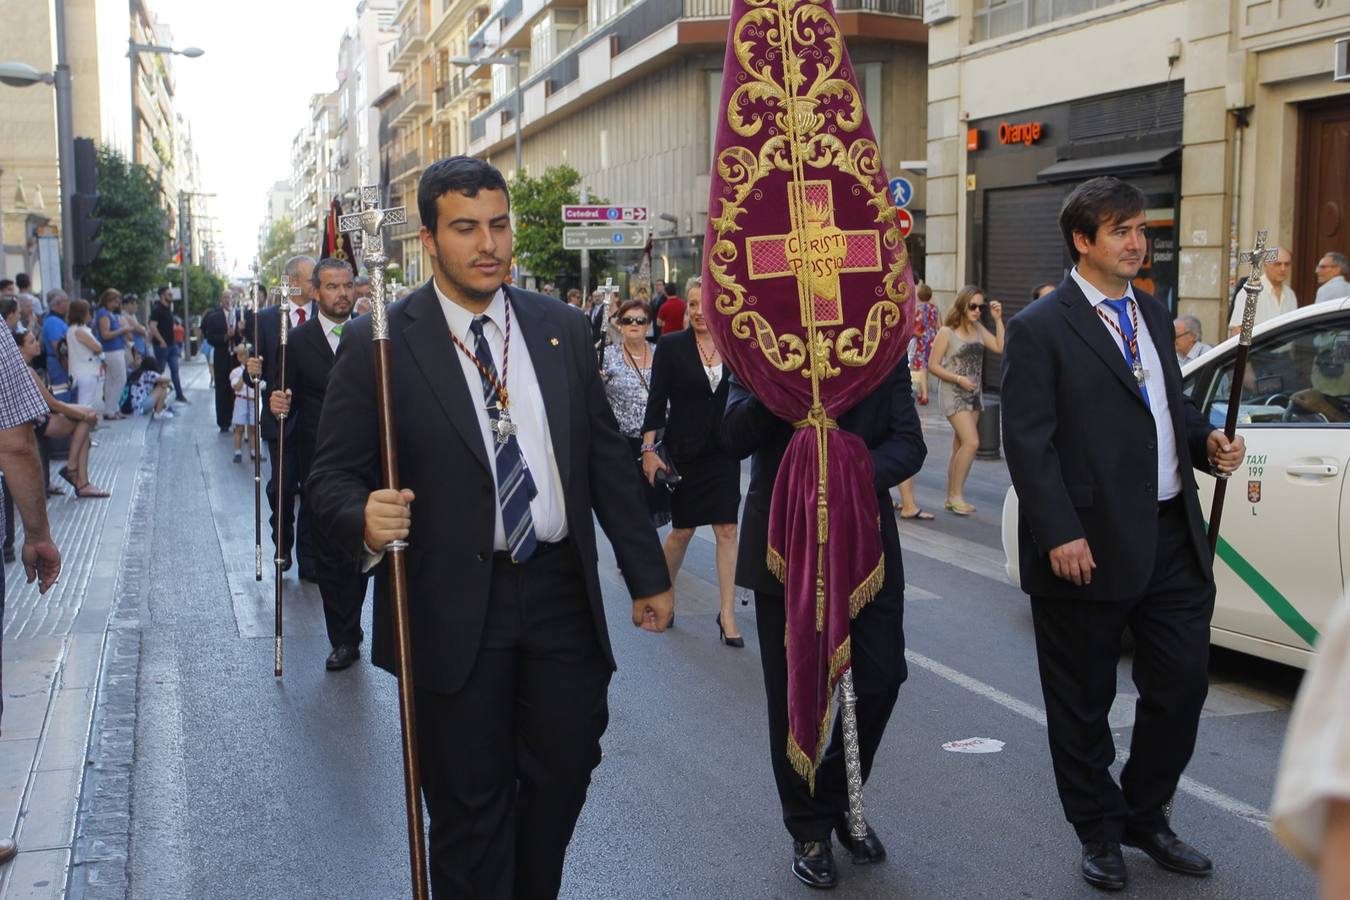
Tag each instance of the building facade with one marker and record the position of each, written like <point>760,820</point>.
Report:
<point>625,93</point>
<point>1215,111</point>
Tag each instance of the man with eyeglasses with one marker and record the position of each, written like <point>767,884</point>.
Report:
<point>1276,297</point>
<point>1188,342</point>
<point>1332,270</point>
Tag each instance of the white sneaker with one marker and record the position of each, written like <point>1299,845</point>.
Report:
<point>162,414</point>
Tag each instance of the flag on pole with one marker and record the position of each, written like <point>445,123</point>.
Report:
<point>336,244</point>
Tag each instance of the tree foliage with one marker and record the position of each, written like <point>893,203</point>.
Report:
<point>276,249</point>
<point>135,231</point>
<point>203,288</point>
<point>538,203</point>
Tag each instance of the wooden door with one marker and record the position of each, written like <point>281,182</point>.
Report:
<point>1322,210</point>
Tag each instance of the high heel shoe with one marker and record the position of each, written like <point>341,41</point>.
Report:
<point>729,641</point>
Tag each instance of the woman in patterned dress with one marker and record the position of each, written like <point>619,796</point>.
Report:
<point>925,332</point>
<point>957,360</point>
<point>627,372</point>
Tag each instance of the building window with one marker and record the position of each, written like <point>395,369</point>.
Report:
<point>1000,18</point>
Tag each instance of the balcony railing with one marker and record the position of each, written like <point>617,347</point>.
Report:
<point>414,95</point>
<point>411,37</point>
<point>721,9</point>
<point>405,164</point>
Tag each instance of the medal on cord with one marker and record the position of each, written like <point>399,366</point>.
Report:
<point>500,424</point>
<point>1131,343</point>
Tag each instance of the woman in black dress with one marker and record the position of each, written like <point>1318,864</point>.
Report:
<point>688,394</point>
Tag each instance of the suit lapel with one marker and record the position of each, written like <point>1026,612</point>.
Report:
<point>430,346</point>
<point>1083,319</point>
<point>550,371</point>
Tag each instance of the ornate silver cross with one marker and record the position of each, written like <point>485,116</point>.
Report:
<point>287,291</point>
<point>1258,257</point>
<point>370,221</point>
<point>502,426</point>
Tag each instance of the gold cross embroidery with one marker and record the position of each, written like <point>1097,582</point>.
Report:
<point>816,252</point>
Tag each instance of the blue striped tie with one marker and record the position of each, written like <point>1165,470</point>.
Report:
<point>1121,308</point>
<point>515,487</point>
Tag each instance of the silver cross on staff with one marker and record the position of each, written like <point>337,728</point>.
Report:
<point>287,291</point>
<point>1257,258</point>
<point>370,221</point>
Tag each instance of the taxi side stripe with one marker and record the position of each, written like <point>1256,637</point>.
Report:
<point>1268,593</point>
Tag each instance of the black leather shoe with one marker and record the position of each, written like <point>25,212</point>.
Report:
<point>869,851</point>
<point>1171,852</point>
<point>286,566</point>
<point>813,863</point>
<point>342,656</point>
<point>1103,865</point>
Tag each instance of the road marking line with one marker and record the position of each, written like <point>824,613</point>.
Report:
<point>1188,785</point>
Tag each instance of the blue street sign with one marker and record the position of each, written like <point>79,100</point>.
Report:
<point>612,213</point>
<point>902,191</point>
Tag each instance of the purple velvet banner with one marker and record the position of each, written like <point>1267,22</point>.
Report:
<point>808,292</point>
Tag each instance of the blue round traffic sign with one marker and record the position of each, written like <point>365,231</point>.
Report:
<point>611,213</point>
<point>901,191</point>
<point>618,237</point>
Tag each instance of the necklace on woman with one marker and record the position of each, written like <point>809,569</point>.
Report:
<point>707,357</point>
<point>632,360</point>
<point>709,367</point>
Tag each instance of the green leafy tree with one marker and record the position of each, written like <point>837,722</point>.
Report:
<point>135,232</point>
<point>203,288</point>
<point>276,249</point>
<point>392,272</point>
<point>538,204</point>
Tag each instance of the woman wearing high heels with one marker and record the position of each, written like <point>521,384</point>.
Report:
<point>688,376</point>
<point>957,360</point>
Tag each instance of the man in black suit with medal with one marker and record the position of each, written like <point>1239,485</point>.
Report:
<point>294,537</point>
<point>310,351</point>
<point>1101,444</point>
<point>508,451</point>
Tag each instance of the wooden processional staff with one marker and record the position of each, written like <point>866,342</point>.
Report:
<point>370,221</point>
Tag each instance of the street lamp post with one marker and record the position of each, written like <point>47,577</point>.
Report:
<point>514,61</point>
<point>22,75</point>
<point>133,50</point>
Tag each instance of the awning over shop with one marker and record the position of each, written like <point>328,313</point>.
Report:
<point>1139,162</point>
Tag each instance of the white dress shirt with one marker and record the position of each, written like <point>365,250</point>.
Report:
<point>1169,475</point>
<point>328,325</point>
<point>310,308</point>
<point>1267,305</point>
<point>1334,289</point>
<point>547,509</point>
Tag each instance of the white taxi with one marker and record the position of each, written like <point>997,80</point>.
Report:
<point>1285,535</point>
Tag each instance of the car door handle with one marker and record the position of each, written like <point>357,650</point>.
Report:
<point>1316,470</point>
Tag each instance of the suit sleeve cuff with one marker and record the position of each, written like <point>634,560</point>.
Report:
<point>370,558</point>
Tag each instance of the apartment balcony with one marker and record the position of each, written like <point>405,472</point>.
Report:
<point>412,40</point>
<point>404,166</point>
<point>412,103</point>
<point>721,9</point>
<point>406,231</point>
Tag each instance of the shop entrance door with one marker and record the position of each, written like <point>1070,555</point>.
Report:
<point>1322,207</point>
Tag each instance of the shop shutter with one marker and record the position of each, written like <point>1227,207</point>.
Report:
<point>1022,248</point>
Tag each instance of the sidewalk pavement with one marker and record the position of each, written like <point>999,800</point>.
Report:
<point>54,653</point>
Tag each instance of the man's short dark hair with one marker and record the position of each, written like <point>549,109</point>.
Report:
<point>328,262</point>
<point>463,174</point>
<point>671,289</point>
<point>1094,203</point>
<point>164,289</point>
<point>5,282</point>
<point>23,282</point>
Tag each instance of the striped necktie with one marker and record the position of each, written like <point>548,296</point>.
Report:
<point>515,486</point>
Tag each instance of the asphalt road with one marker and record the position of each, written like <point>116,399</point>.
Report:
<point>248,786</point>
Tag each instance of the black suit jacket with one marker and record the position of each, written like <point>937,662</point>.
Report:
<point>309,361</point>
<point>885,420</point>
<point>443,460</point>
<point>1082,445</point>
<point>695,410</point>
<point>269,348</point>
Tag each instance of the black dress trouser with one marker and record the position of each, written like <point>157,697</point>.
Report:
<point>294,526</point>
<point>1078,649</point>
<point>222,364</point>
<point>507,759</point>
<point>879,668</point>
<point>343,592</point>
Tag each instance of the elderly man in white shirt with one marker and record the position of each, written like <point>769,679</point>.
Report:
<point>1188,344</point>
<point>1332,270</point>
<point>1276,296</point>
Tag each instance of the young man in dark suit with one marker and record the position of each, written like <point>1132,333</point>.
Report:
<point>294,534</point>
<point>508,450</point>
<point>310,351</point>
<point>1101,444</point>
<point>887,422</point>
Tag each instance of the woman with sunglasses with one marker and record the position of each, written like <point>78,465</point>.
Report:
<point>627,372</point>
<point>688,376</point>
<point>957,360</point>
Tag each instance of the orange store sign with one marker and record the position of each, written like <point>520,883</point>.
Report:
<point>1020,133</point>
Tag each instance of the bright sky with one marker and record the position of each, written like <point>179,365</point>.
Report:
<point>249,94</point>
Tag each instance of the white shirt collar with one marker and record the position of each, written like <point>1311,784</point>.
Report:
<point>1094,296</point>
<point>459,319</point>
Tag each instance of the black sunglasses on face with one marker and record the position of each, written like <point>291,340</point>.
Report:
<point>975,306</point>
<point>629,320</point>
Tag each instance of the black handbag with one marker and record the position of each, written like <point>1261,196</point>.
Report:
<point>669,476</point>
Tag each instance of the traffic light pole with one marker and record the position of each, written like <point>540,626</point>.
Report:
<point>65,154</point>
